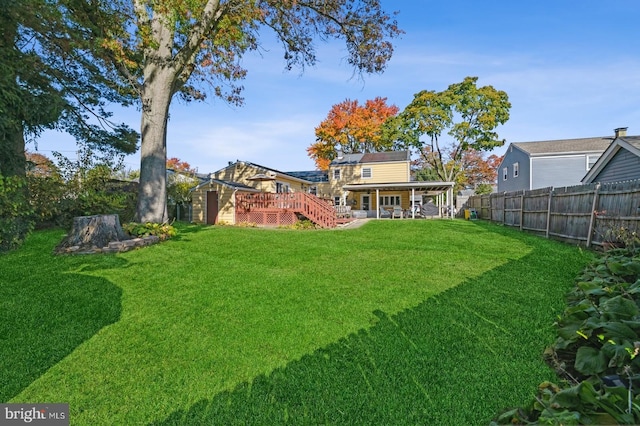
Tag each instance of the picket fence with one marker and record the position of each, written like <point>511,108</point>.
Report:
<point>588,215</point>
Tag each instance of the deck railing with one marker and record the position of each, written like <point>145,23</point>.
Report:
<point>281,208</point>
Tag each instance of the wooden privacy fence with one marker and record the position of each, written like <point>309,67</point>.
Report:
<point>590,215</point>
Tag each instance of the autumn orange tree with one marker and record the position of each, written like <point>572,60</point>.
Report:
<point>350,128</point>
<point>478,169</point>
<point>193,47</point>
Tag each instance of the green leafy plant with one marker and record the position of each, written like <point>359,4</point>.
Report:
<point>617,232</point>
<point>164,231</point>
<point>247,225</point>
<point>301,224</point>
<point>16,219</point>
<point>596,350</point>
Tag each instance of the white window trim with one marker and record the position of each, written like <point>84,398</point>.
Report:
<point>336,174</point>
<point>588,157</point>
<point>389,200</point>
<point>516,170</point>
<point>505,173</point>
<point>284,187</point>
<point>370,173</point>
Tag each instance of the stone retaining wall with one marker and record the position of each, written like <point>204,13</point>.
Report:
<point>113,246</point>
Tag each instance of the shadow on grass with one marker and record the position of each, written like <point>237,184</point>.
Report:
<point>457,358</point>
<point>47,310</point>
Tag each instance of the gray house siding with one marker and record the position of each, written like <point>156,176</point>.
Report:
<point>512,183</point>
<point>623,166</point>
<point>558,171</point>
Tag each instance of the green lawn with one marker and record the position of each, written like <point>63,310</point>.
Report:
<point>397,322</point>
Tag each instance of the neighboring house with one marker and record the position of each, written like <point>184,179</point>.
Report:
<point>532,165</point>
<point>620,161</point>
<point>366,182</point>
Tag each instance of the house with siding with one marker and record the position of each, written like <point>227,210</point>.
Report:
<point>619,162</point>
<point>214,200</point>
<point>553,163</point>
<point>366,182</point>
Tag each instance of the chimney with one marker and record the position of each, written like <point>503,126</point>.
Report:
<point>620,132</point>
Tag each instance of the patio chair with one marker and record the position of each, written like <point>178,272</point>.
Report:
<point>384,213</point>
<point>397,212</point>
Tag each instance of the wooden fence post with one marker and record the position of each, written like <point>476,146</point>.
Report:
<point>521,209</point>
<point>549,211</point>
<point>592,220</point>
<point>504,207</point>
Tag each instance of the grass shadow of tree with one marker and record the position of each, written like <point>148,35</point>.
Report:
<point>457,358</point>
<point>47,310</point>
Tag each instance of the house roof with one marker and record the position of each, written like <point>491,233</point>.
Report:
<point>564,146</point>
<point>428,187</point>
<point>630,143</point>
<point>312,175</point>
<point>372,157</point>
<point>269,169</point>
<point>347,159</point>
<point>233,185</point>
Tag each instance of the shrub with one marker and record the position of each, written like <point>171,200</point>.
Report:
<point>301,224</point>
<point>596,351</point>
<point>16,220</point>
<point>45,194</point>
<point>164,231</point>
<point>247,225</point>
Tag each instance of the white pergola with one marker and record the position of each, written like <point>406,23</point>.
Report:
<point>438,189</point>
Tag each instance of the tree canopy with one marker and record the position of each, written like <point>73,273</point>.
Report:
<point>50,80</point>
<point>180,181</point>
<point>194,47</point>
<point>350,128</point>
<point>457,122</point>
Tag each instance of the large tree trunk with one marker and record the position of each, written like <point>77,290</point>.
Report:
<point>152,193</point>
<point>12,157</point>
<point>90,232</point>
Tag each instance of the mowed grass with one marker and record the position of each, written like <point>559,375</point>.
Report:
<point>397,322</point>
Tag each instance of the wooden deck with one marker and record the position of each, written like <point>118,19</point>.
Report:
<point>275,209</point>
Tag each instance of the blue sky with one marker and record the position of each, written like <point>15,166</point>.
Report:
<point>570,68</point>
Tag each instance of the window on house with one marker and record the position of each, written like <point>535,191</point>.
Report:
<point>505,173</point>
<point>336,174</point>
<point>366,172</point>
<point>390,200</point>
<point>313,190</point>
<point>591,161</point>
<point>336,201</point>
<point>282,187</point>
<point>516,169</point>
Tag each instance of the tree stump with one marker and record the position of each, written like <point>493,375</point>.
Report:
<point>90,232</point>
